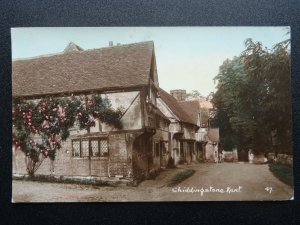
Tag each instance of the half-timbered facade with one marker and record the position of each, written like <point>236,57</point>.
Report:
<point>182,129</point>
<point>127,76</point>
<point>207,138</point>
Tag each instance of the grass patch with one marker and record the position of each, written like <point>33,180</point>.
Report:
<point>283,173</point>
<point>181,176</point>
<point>68,180</point>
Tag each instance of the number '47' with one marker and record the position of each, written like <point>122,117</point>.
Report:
<point>269,189</point>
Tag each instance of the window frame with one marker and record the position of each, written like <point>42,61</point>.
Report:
<point>90,152</point>
<point>90,147</point>
<point>81,150</point>
<point>77,140</point>
<point>99,142</point>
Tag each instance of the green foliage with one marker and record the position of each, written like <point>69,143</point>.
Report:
<point>254,98</point>
<point>181,176</point>
<point>194,93</point>
<point>283,173</point>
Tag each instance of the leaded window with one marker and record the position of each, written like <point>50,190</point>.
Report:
<point>90,147</point>
<point>76,148</point>
<point>85,148</point>
<point>103,147</point>
<point>95,148</point>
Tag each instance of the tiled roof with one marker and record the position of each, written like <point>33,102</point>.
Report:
<point>172,103</point>
<point>192,108</point>
<point>206,104</point>
<point>79,71</point>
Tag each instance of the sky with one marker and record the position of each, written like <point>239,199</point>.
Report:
<point>187,57</point>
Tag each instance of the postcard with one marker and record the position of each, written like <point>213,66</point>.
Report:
<point>131,114</point>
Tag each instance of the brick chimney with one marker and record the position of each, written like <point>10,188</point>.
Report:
<point>179,94</point>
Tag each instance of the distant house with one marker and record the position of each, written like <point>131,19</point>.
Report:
<point>207,138</point>
<point>193,109</point>
<point>127,76</point>
<point>182,129</point>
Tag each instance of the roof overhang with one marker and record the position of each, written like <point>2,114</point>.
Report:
<point>85,92</point>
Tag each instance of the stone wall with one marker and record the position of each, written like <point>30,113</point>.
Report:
<point>118,155</point>
<point>179,94</point>
<point>140,160</point>
<point>281,158</point>
<point>117,164</point>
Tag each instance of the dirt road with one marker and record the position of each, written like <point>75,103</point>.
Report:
<point>231,181</point>
<point>211,182</point>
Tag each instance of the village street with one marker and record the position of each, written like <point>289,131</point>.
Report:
<point>210,182</point>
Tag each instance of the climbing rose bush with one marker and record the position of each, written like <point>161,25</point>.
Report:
<point>40,126</point>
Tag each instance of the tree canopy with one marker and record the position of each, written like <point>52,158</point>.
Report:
<point>253,99</point>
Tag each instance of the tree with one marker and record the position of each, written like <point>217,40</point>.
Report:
<point>271,72</point>
<point>254,97</point>
<point>40,126</point>
<point>195,93</point>
<point>228,113</point>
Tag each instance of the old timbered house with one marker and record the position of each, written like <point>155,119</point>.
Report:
<point>182,130</point>
<point>207,138</point>
<point>127,76</point>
